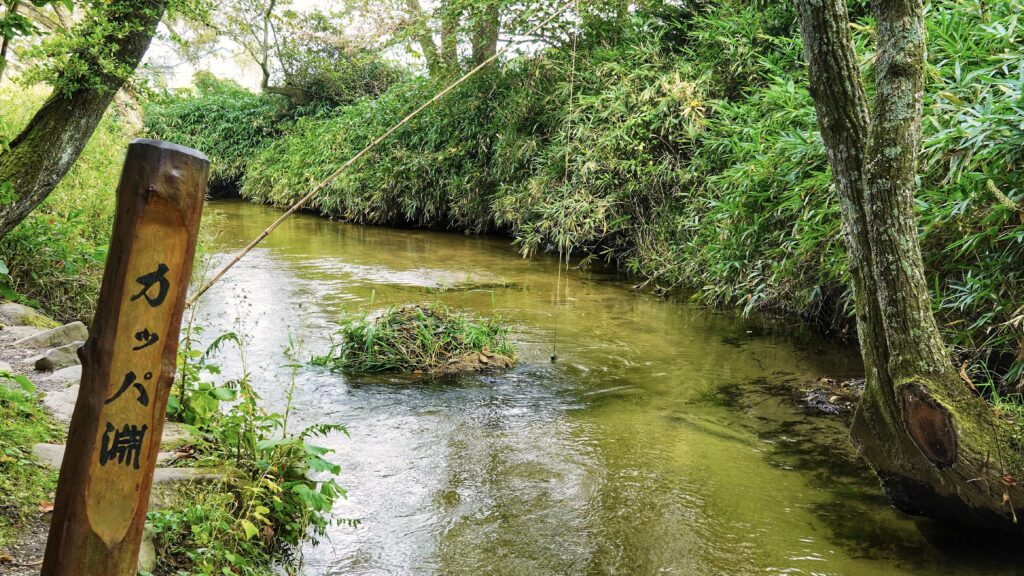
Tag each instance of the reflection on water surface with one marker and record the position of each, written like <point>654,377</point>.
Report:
<point>662,441</point>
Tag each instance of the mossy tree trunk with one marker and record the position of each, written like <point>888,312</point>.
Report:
<point>424,37</point>
<point>486,26</point>
<point>41,155</point>
<point>938,449</point>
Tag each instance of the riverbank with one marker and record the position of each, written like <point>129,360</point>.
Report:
<point>203,480</point>
<point>41,353</point>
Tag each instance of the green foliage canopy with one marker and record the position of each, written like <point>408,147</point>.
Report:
<point>682,145</point>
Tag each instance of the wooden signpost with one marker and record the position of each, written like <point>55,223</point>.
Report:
<point>128,365</point>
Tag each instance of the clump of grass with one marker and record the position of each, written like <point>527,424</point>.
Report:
<point>24,485</point>
<point>281,487</point>
<point>419,339</point>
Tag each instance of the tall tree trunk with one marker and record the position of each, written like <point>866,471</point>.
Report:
<point>486,26</point>
<point>5,46</point>
<point>938,450</point>
<point>11,6</point>
<point>451,14</point>
<point>424,37</point>
<point>45,150</point>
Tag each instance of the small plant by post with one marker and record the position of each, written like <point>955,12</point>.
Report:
<point>128,365</point>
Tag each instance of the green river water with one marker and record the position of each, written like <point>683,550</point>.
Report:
<point>664,439</point>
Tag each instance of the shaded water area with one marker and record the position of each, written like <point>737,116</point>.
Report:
<point>663,440</point>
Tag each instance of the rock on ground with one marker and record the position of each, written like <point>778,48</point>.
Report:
<point>52,455</point>
<point>12,314</point>
<point>60,357</point>
<point>16,333</point>
<point>59,336</point>
<point>64,377</point>
<point>61,403</point>
<point>147,553</point>
<point>175,434</point>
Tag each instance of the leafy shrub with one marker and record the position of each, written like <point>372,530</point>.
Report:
<point>221,119</point>
<point>24,485</point>
<point>270,504</point>
<point>972,203</point>
<point>325,67</point>
<point>418,339</point>
<point>429,179</point>
<point>684,148</point>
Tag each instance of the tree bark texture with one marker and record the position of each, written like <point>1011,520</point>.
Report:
<point>486,27</point>
<point>41,155</point>
<point>424,37</point>
<point>938,450</point>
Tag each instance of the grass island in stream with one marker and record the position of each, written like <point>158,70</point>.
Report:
<point>419,339</point>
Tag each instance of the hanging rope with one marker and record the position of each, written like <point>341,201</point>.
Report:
<point>334,175</point>
<point>565,180</point>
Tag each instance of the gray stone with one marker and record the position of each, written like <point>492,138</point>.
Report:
<point>147,553</point>
<point>175,434</point>
<point>22,332</point>
<point>163,497</point>
<point>65,376</point>
<point>167,493</point>
<point>62,403</point>
<point>5,367</point>
<point>51,455</point>
<point>13,314</point>
<point>60,357</point>
<point>59,336</point>
<point>165,475</point>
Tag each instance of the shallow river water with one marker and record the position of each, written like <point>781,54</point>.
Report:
<point>663,440</point>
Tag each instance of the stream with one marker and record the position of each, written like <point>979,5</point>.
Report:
<point>663,440</point>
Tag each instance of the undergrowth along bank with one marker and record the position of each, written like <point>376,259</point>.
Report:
<point>689,155</point>
<point>277,487</point>
<point>25,487</point>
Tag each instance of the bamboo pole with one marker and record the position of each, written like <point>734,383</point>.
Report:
<point>373,144</point>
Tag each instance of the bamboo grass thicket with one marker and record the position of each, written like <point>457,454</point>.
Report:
<point>689,156</point>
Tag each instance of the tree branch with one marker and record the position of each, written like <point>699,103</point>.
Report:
<point>423,36</point>
<point>40,156</point>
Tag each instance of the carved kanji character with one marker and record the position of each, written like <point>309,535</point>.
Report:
<point>157,277</point>
<point>124,445</point>
<point>129,381</point>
